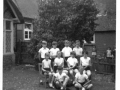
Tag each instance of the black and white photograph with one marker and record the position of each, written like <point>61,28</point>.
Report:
<point>59,45</point>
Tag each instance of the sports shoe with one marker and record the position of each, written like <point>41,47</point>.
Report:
<point>50,85</point>
<point>41,82</point>
<point>83,88</point>
<point>61,88</point>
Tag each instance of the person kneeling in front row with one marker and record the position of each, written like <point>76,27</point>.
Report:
<point>60,79</point>
<point>81,80</point>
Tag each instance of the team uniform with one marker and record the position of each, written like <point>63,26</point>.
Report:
<point>81,78</point>
<point>78,51</point>
<point>85,62</point>
<point>66,52</point>
<point>59,79</point>
<point>58,62</point>
<point>46,65</point>
<point>42,51</point>
<point>53,54</point>
<point>72,62</point>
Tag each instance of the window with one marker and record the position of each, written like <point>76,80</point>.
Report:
<point>8,36</point>
<point>28,26</point>
<point>28,31</point>
<point>93,39</point>
<point>8,25</point>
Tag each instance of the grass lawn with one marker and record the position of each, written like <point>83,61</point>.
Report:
<point>22,78</point>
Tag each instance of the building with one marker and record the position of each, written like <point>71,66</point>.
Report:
<point>105,34</point>
<point>29,10</point>
<point>12,16</point>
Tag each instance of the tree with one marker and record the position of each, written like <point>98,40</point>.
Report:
<point>64,19</point>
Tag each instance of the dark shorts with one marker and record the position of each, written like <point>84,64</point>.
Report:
<point>82,83</point>
<point>47,69</point>
<point>65,62</point>
<point>75,67</point>
<point>52,60</point>
<point>88,68</point>
<point>55,68</point>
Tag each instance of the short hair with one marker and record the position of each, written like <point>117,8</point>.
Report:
<point>73,53</point>
<point>47,54</point>
<point>81,69</point>
<point>77,42</point>
<point>85,52</point>
<point>66,41</point>
<point>54,43</point>
<point>44,42</point>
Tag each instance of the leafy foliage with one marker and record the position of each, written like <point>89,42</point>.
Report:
<point>64,19</point>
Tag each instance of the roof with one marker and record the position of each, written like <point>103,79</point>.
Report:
<point>28,8</point>
<point>16,9</point>
<point>107,15</point>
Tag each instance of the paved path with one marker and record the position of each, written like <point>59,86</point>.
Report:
<point>21,78</point>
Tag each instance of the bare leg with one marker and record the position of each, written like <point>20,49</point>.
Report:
<point>65,82</point>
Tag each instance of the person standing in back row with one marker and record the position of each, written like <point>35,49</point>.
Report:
<point>43,50</point>
<point>53,52</point>
<point>66,52</point>
<point>78,50</point>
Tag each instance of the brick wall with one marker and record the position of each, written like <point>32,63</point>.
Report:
<point>8,61</point>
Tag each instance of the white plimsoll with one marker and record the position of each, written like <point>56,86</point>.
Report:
<point>83,88</point>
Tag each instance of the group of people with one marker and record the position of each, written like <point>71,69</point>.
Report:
<point>65,66</point>
<point>110,53</point>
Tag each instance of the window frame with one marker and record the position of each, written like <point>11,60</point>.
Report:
<point>93,41</point>
<point>28,30</point>
<point>4,36</point>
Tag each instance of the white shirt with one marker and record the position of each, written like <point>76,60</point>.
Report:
<point>66,51</point>
<point>72,61</point>
<point>60,77</point>
<point>81,78</point>
<point>109,53</point>
<point>53,51</point>
<point>78,51</point>
<point>46,63</point>
<point>58,61</point>
<point>85,61</point>
<point>42,51</point>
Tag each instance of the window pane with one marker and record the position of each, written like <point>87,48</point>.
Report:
<point>26,36</point>
<point>28,26</point>
<point>26,32</point>
<point>30,34</point>
<point>8,25</point>
<point>8,41</point>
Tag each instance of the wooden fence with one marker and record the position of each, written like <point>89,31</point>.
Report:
<point>103,65</point>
